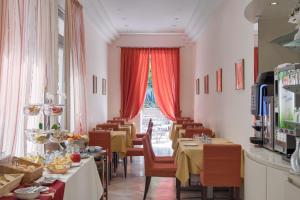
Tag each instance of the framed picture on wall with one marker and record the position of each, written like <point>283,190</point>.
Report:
<point>95,84</point>
<point>239,75</point>
<point>219,80</point>
<point>206,84</point>
<point>197,86</point>
<point>103,86</point>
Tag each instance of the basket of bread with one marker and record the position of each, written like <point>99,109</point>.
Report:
<point>9,182</point>
<point>32,171</point>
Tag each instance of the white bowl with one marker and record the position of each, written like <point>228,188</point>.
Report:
<point>22,194</point>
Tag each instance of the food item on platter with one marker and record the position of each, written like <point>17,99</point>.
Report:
<point>77,136</point>
<point>58,169</point>
<point>32,109</point>
<point>59,136</point>
<point>53,109</point>
<point>41,138</point>
<point>62,160</point>
<point>28,168</point>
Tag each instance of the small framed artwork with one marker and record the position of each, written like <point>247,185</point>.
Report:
<point>239,75</point>
<point>197,86</point>
<point>219,80</point>
<point>95,84</point>
<point>206,84</point>
<point>104,86</point>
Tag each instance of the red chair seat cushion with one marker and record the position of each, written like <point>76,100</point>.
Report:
<point>137,141</point>
<point>135,152</point>
<point>163,169</point>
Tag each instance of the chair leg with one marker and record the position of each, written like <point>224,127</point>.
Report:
<point>204,193</point>
<point>178,188</point>
<point>148,180</point>
<point>231,194</point>
<point>130,159</point>
<point>190,179</point>
<point>125,166</point>
<point>237,193</point>
<point>109,171</point>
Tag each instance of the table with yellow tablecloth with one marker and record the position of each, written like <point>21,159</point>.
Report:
<point>133,128</point>
<point>189,159</point>
<point>118,142</point>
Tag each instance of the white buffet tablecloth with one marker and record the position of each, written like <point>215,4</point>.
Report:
<point>82,182</point>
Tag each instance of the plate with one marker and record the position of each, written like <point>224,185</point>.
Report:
<point>93,149</point>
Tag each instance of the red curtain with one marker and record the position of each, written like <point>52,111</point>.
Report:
<point>134,78</point>
<point>165,78</point>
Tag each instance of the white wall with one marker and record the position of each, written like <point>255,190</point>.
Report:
<point>140,40</point>
<point>96,58</point>
<point>227,37</point>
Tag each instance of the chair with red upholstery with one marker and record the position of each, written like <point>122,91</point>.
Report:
<point>140,135</point>
<point>184,121</point>
<point>221,167</point>
<point>155,169</point>
<point>107,126</point>
<point>138,141</point>
<point>186,125</point>
<point>159,159</point>
<point>120,118</point>
<point>183,118</point>
<point>115,121</point>
<point>102,138</point>
<point>190,132</point>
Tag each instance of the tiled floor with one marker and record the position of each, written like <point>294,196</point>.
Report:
<point>132,188</point>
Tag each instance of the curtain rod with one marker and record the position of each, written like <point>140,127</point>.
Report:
<point>152,47</point>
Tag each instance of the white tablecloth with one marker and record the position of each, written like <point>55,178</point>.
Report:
<point>82,182</point>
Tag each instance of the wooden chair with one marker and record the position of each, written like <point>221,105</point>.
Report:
<point>184,121</point>
<point>159,159</point>
<point>221,167</point>
<point>138,141</point>
<point>186,125</point>
<point>190,132</point>
<point>120,118</point>
<point>150,124</point>
<point>131,152</point>
<point>183,118</point>
<point>107,126</point>
<point>115,121</point>
<point>102,138</point>
<point>155,169</point>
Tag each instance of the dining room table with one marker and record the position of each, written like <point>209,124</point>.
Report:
<point>82,182</point>
<point>188,154</point>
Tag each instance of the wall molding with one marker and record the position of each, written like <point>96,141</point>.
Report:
<point>96,13</point>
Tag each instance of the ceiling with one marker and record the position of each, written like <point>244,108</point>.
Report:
<point>155,16</point>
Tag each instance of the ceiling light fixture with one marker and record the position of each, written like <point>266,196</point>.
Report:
<point>274,3</point>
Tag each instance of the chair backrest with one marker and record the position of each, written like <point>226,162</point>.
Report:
<point>101,138</point>
<point>190,132</point>
<point>186,125</point>
<point>221,165</point>
<point>114,121</point>
<point>183,118</point>
<point>184,121</point>
<point>120,118</point>
<point>148,159</point>
<point>148,140</point>
<point>107,126</point>
<point>150,127</point>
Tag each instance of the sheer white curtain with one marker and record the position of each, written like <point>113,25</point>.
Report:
<point>76,67</point>
<point>28,57</point>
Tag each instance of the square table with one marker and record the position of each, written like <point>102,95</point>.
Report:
<point>189,159</point>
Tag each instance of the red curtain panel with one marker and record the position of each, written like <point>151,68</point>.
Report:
<point>134,78</point>
<point>166,82</point>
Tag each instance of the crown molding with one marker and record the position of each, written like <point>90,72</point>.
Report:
<point>96,13</point>
<point>200,18</point>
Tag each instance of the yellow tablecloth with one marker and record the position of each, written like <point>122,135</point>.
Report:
<point>189,159</point>
<point>128,131</point>
<point>174,133</point>
<point>133,128</point>
<point>118,142</point>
